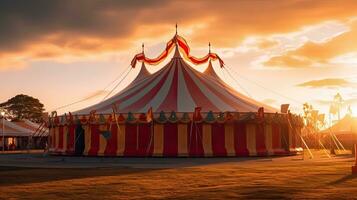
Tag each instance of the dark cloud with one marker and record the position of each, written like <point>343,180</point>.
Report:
<point>24,22</point>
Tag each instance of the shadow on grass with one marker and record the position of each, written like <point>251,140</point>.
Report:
<point>37,168</point>
<point>344,179</point>
<point>269,192</point>
<point>18,175</point>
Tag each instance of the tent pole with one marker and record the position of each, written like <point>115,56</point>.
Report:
<point>328,155</point>
<point>302,139</point>
<point>338,141</point>
<point>307,147</point>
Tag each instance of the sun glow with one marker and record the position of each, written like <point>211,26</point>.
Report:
<point>354,111</point>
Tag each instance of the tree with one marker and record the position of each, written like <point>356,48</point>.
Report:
<point>338,102</point>
<point>24,107</point>
<point>313,122</point>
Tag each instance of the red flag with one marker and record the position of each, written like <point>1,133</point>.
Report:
<point>149,115</point>
<point>197,114</point>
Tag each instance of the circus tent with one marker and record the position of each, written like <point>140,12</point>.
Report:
<point>348,124</point>
<point>344,132</point>
<point>17,133</point>
<point>178,87</point>
<point>176,111</point>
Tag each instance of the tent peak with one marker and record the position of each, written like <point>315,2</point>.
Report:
<point>177,52</point>
<point>210,70</point>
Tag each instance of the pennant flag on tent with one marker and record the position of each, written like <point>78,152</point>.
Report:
<point>149,115</point>
<point>173,116</point>
<point>284,108</point>
<point>106,134</point>
<point>197,114</point>
<point>210,116</point>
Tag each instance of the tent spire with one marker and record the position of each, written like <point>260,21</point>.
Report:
<point>209,47</point>
<point>142,48</point>
<point>177,53</point>
<point>176,29</point>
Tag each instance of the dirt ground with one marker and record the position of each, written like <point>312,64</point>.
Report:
<point>42,177</point>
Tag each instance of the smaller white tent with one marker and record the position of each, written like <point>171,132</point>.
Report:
<point>17,133</point>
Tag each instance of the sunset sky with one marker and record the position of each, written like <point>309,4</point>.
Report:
<point>280,51</point>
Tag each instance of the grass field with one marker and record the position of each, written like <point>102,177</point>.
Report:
<point>287,177</point>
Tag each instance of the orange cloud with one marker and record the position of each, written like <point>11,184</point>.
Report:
<point>63,28</point>
<point>290,61</point>
<point>11,61</point>
<point>329,82</point>
<point>266,44</point>
<point>312,54</point>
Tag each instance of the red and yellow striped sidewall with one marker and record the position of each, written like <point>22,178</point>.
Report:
<point>102,141</point>
<point>158,140</point>
<point>65,139</point>
<point>121,140</point>
<point>182,146</point>
<point>207,139</point>
<point>251,139</point>
<point>53,139</point>
<point>269,139</point>
<point>181,139</point>
<point>229,139</point>
<point>87,139</point>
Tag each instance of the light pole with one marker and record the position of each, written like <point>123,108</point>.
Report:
<point>2,113</point>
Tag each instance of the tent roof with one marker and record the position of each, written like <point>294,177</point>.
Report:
<point>19,128</point>
<point>209,71</point>
<point>346,124</point>
<point>143,73</point>
<point>178,87</point>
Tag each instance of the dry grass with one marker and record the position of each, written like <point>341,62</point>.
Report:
<point>275,178</point>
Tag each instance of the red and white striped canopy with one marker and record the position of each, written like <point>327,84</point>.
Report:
<point>19,128</point>
<point>178,87</point>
